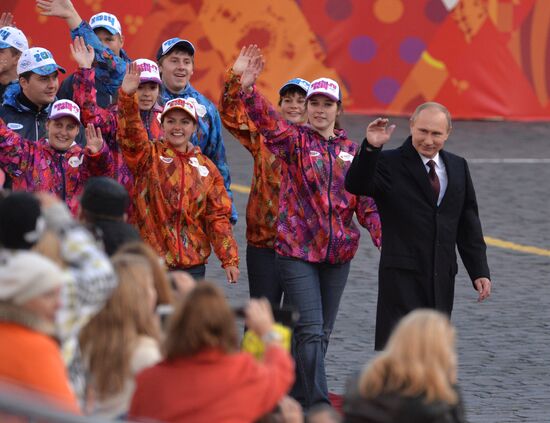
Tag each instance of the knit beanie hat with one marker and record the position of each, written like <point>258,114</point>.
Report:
<point>21,224</point>
<point>104,197</point>
<point>25,275</point>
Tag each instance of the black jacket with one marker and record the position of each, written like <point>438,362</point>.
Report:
<point>418,261</point>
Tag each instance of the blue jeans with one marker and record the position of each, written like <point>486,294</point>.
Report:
<point>263,274</point>
<point>315,290</point>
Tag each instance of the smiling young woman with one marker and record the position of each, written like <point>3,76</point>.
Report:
<point>316,236</point>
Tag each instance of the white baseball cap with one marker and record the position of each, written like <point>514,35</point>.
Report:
<point>107,21</point>
<point>295,82</point>
<point>13,37</point>
<point>184,104</point>
<point>325,86</point>
<point>171,43</point>
<point>149,71</point>
<point>63,108</point>
<point>38,60</point>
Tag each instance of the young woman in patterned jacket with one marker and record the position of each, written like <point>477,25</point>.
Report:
<point>316,236</point>
<point>181,203</point>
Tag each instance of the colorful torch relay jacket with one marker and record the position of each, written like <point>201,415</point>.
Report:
<point>208,135</point>
<point>180,199</point>
<point>107,121</point>
<point>315,211</point>
<point>36,166</point>
<point>263,202</point>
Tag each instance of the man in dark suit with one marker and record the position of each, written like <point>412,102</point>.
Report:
<point>427,205</point>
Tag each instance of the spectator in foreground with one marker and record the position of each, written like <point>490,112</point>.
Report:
<point>220,383</point>
<point>413,380</point>
<point>122,339</point>
<point>30,289</point>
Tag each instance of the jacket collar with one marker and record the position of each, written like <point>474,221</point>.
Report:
<point>415,166</point>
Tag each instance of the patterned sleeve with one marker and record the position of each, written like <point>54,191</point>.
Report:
<point>85,96</point>
<point>110,67</point>
<point>15,151</point>
<point>233,114</point>
<point>279,134</point>
<point>131,134</point>
<point>216,151</point>
<point>367,215</point>
<point>98,164</point>
<point>219,227</point>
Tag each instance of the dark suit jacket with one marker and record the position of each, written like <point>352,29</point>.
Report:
<point>418,261</point>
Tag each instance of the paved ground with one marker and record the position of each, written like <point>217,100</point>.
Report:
<point>503,344</point>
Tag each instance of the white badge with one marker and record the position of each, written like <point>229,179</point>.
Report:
<point>75,161</point>
<point>314,153</point>
<point>193,161</point>
<point>15,126</point>
<point>345,156</point>
<point>203,170</point>
<point>167,160</point>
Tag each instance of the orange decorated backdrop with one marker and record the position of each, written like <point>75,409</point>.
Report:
<point>481,58</point>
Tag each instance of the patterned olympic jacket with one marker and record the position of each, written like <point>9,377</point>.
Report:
<point>315,211</point>
<point>107,120</point>
<point>263,203</point>
<point>36,166</point>
<point>208,136</point>
<point>181,203</point>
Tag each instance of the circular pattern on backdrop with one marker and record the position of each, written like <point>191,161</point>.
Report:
<point>435,11</point>
<point>388,11</point>
<point>339,10</point>
<point>411,48</point>
<point>362,48</point>
<point>385,90</point>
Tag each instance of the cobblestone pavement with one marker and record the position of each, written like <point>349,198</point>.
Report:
<point>504,343</point>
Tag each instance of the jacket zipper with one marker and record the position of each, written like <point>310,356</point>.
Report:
<point>329,204</point>
<point>63,187</point>
<point>180,206</point>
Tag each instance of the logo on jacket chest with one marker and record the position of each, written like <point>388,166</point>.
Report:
<point>75,161</point>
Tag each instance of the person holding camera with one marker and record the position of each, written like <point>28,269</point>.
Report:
<point>204,377</point>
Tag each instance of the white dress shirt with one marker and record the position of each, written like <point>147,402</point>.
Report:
<point>440,171</point>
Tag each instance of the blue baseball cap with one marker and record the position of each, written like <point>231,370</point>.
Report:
<point>297,82</point>
<point>107,21</point>
<point>38,60</point>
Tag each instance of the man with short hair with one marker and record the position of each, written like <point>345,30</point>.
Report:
<point>27,104</point>
<point>428,207</point>
<point>12,43</point>
<point>176,59</point>
<point>104,34</point>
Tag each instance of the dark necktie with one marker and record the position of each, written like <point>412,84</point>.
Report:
<point>434,180</point>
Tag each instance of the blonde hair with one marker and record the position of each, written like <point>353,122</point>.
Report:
<point>109,338</point>
<point>419,359</point>
<point>202,320</point>
<point>160,275</point>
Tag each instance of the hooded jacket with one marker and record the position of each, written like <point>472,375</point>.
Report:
<point>37,166</point>
<point>315,211</point>
<point>181,203</point>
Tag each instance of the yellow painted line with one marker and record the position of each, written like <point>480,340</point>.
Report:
<point>500,243</point>
<point>493,242</point>
<point>240,188</point>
